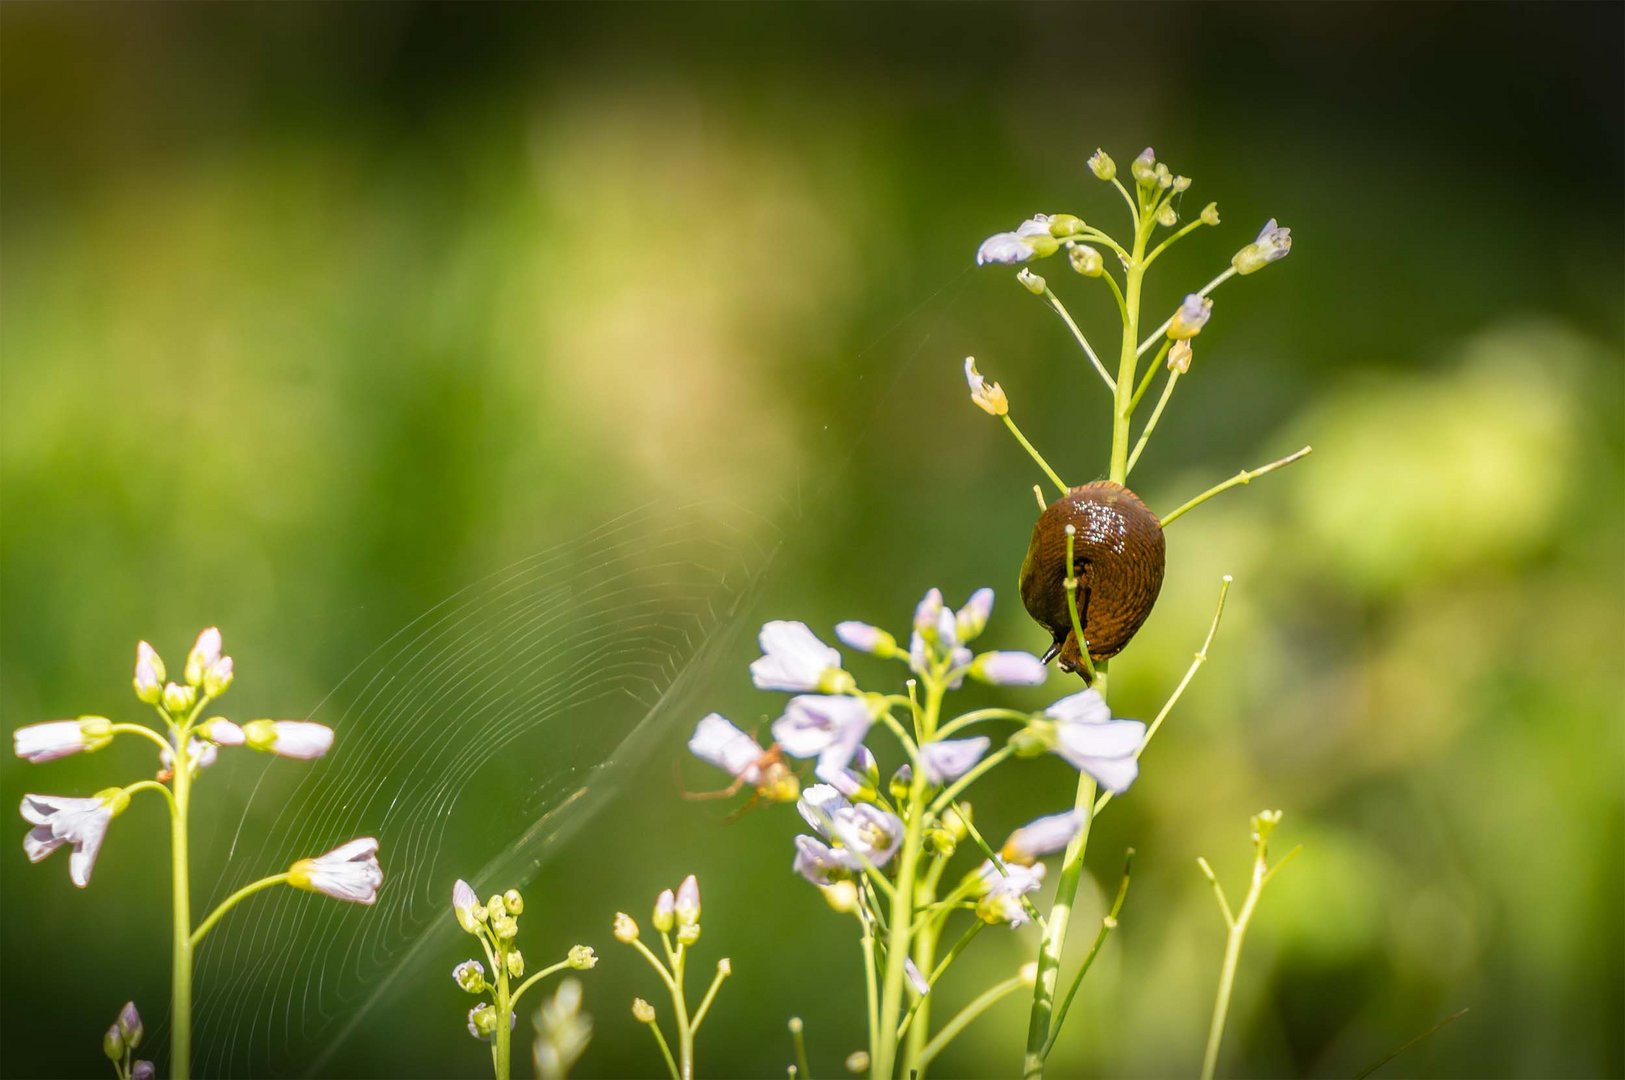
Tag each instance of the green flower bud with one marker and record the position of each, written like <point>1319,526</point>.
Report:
<point>1064,225</point>
<point>97,731</point>
<point>940,842</point>
<point>642,1011</point>
<point>624,929</point>
<point>496,907</point>
<point>506,928</point>
<point>513,902</point>
<point>1210,214</point>
<point>516,963</point>
<point>1164,178</point>
<point>1086,260</point>
<point>1264,823</point>
<point>129,1025</point>
<point>1038,737</point>
<point>1144,167</point>
<point>482,1021</point>
<point>1167,215</point>
<point>1032,282</point>
<point>857,1062</point>
<point>113,1044</point>
<point>178,700</point>
<point>842,896</point>
<point>1182,183</point>
<point>1102,165</point>
<point>582,958</point>
<point>688,935</point>
<point>664,917</point>
<point>470,976</point>
<point>688,902</point>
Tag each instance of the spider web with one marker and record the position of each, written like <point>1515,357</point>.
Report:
<point>518,701</point>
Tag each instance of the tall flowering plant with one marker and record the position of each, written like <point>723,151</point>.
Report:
<point>880,851</point>
<point>187,744</point>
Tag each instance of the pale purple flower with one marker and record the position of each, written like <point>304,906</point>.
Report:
<point>1273,243</point>
<point>818,805</point>
<point>1005,248</point>
<point>143,1070</point>
<point>289,738</point>
<point>222,732</point>
<point>217,679</point>
<point>688,902</point>
<point>349,872</point>
<point>928,611</point>
<point>1093,742</point>
<point>868,831</point>
<point>919,982</point>
<point>79,823</point>
<point>1192,315</point>
<point>129,1025</point>
<point>204,653</point>
<point>971,619</point>
<point>149,673</point>
<point>821,864</point>
<point>865,638</point>
<point>1002,901</point>
<point>59,738</point>
<point>830,728</point>
<point>1040,837</point>
<point>951,758</point>
<point>463,902</point>
<point>793,659</point>
<point>716,741</point>
<point>1009,668</point>
<point>482,1021</point>
<point>469,975</point>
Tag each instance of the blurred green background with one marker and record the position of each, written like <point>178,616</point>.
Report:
<point>314,315</point>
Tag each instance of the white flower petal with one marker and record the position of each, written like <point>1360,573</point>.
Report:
<point>1085,707</point>
<point>718,742</point>
<point>792,658</point>
<point>951,758</point>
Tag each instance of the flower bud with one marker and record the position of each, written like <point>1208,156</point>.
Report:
<point>865,638</point>
<point>1192,315</point>
<point>222,732</point>
<point>688,935</point>
<point>642,1011</point>
<point>1210,214</point>
<point>624,929</point>
<point>129,1025</point>
<point>506,927</point>
<point>482,1021</point>
<point>665,908</point>
<point>516,964</point>
<point>1037,738</point>
<point>1167,216</point>
<point>1086,260</point>
<point>143,1070</point>
<point>1064,225</point>
<point>956,819</point>
<point>688,902</point>
<point>217,680</point>
<point>496,907</point>
<point>1273,243</point>
<point>1263,824</point>
<point>857,1062</point>
<point>582,958</point>
<point>901,781</point>
<point>1179,357</point>
<point>940,842</point>
<point>513,902</point>
<point>725,967</point>
<point>842,896</point>
<point>149,674</point>
<point>203,655</point>
<point>1032,282</point>
<point>464,904</point>
<point>1102,165</point>
<point>989,397</point>
<point>1164,177</point>
<point>1182,183</point>
<point>113,1044</point>
<point>470,975</point>
<point>1144,168</point>
<point>178,700</point>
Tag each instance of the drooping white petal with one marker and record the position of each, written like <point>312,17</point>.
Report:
<point>1086,706</point>
<point>718,742</point>
<point>1005,248</point>
<point>59,821</point>
<point>821,864</point>
<point>792,659</point>
<point>818,805</point>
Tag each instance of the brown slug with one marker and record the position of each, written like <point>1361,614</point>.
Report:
<point>1118,554</point>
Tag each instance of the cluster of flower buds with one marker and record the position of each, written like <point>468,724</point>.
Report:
<point>120,1043</point>
<point>676,918</point>
<point>495,924</point>
<point>673,911</point>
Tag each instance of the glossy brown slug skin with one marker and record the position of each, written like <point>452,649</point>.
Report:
<point>1119,553</point>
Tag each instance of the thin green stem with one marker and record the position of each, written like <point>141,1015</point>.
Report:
<point>977,716</point>
<point>1133,207</point>
<point>665,1049</point>
<point>1190,673</point>
<point>1151,373</point>
<point>710,995</point>
<point>1171,240</point>
<point>502,1038</point>
<point>1036,456</point>
<point>180,970</point>
<point>871,982</point>
<point>950,1031</point>
<point>1156,414</point>
<point>654,962</point>
<point>1107,925</point>
<point>232,901</point>
<point>536,978</point>
<point>153,785</point>
<point>142,730</point>
<point>685,1030</point>
<point>1071,586</point>
<point>1117,294</point>
<point>800,1041</point>
<point>1246,476</point>
<point>1060,309</point>
<point>1229,273</point>
<point>908,745</point>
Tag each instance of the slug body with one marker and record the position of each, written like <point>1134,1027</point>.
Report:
<point>1118,555</point>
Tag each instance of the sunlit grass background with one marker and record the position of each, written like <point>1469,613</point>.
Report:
<point>313,315</point>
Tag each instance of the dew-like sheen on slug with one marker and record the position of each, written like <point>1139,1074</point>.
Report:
<point>1118,551</point>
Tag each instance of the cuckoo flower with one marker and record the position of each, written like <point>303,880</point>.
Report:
<point>793,659</point>
<point>289,738</point>
<point>1093,742</point>
<point>1001,903</point>
<point>78,823</point>
<point>349,872</point>
<point>59,738</point>
<point>949,759</point>
<point>1044,836</point>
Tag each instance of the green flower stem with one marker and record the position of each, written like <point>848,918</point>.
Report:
<point>1156,414</point>
<point>679,1004</point>
<point>1107,925</point>
<point>871,981</point>
<point>142,730</point>
<point>1229,272</point>
<point>977,927</point>
<point>1190,673</point>
<point>502,1039</point>
<point>902,913</point>
<point>1246,476</point>
<point>180,969</point>
<point>977,716</point>
<point>665,1048</point>
<point>1237,924</point>
<point>1117,294</point>
<point>925,952</point>
<point>705,1003</point>
<point>654,962</point>
<point>1071,585</point>
<point>537,977</point>
<point>153,785</point>
<point>1033,452</point>
<point>1133,207</point>
<point>988,998</point>
<point>1151,372</point>
<point>799,1039</point>
<point>908,745</point>
<point>232,901</point>
<point>1083,342</point>
<point>951,793</point>
<point>1170,241</point>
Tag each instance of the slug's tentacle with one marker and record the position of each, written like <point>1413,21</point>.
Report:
<point>1118,559</point>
